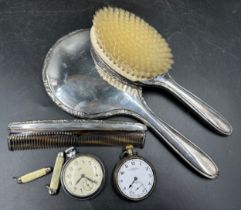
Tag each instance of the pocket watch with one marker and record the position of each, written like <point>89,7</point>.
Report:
<point>134,178</point>
<point>83,175</point>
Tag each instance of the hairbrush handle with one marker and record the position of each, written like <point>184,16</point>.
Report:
<point>206,112</point>
<point>189,152</point>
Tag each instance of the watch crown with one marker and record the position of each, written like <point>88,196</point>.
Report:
<point>128,151</point>
<point>70,152</point>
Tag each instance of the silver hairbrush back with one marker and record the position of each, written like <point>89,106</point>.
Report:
<point>65,133</point>
<point>72,78</point>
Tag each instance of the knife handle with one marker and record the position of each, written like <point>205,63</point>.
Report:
<point>33,175</point>
<point>54,183</point>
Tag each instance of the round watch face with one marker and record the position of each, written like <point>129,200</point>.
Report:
<point>83,176</point>
<point>134,178</point>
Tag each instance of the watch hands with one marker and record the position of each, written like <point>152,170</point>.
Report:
<point>84,176</point>
<point>91,180</point>
<point>135,179</point>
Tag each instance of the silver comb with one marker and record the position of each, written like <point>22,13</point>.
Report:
<point>65,133</point>
<point>76,70</point>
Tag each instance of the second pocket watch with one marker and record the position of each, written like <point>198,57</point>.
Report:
<point>134,177</point>
<point>83,175</point>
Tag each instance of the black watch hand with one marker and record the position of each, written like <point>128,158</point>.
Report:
<point>135,178</point>
<point>91,180</point>
<point>82,176</point>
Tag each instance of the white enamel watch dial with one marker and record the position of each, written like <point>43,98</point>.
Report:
<point>83,176</point>
<point>134,178</point>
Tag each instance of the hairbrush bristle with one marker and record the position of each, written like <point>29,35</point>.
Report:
<point>113,81</point>
<point>129,45</point>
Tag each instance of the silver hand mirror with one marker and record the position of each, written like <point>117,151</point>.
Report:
<point>72,81</point>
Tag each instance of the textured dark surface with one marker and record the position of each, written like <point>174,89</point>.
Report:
<point>205,36</point>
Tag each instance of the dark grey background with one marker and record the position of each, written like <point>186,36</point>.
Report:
<point>205,36</point>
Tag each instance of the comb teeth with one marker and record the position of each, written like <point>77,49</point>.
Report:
<point>44,140</point>
<point>129,45</point>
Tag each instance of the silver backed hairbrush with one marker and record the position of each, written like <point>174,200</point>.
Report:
<point>66,133</point>
<point>74,82</point>
<point>134,50</point>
